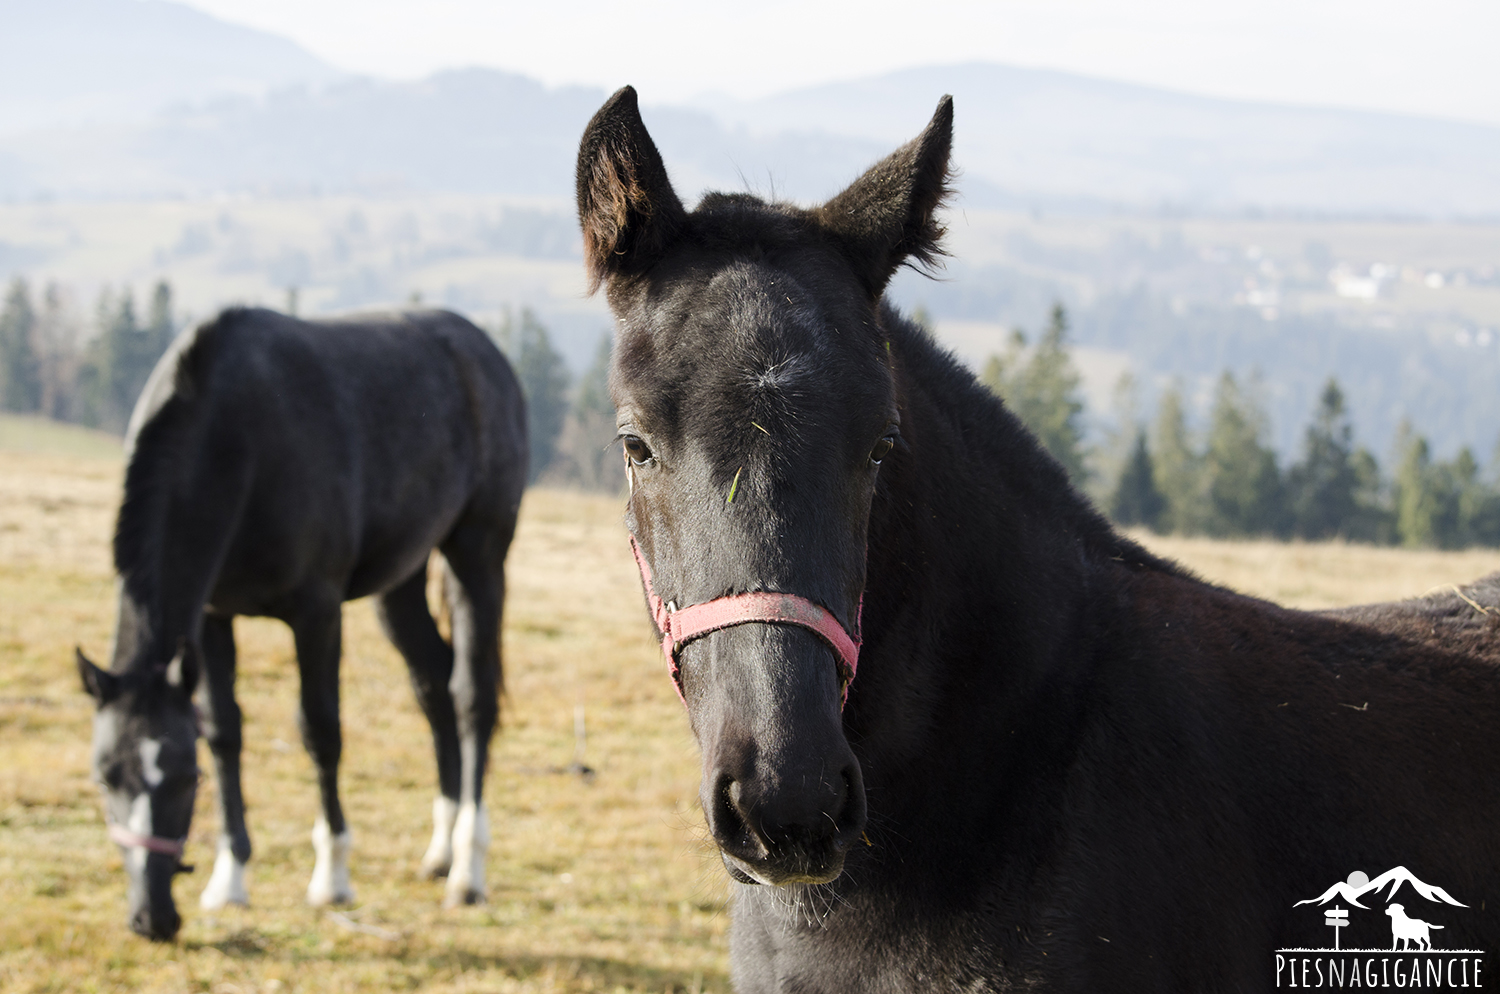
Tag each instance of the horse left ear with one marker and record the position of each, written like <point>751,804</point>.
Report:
<point>183,670</point>
<point>102,685</point>
<point>626,206</point>
<point>888,216</point>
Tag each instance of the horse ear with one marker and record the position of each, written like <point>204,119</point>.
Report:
<point>888,216</point>
<point>626,206</point>
<point>183,670</point>
<point>101,685</point>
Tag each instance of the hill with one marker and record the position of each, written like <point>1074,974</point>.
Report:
<point>1054,136</point>
<point>108,98</point>
<point>72,63</point>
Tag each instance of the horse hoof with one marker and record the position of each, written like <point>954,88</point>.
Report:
<point>436,869</point>
<point>319,898</point>
<point>217,902</point>
<point>461,897</point>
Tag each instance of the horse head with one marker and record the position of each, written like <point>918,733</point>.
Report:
<point>145,762</point>
<point>756,402</point>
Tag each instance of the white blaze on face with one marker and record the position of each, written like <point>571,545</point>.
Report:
<point>150,753</point>
<point>140,824</point>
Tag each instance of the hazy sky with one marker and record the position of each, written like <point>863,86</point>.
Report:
<point>1433,57</point>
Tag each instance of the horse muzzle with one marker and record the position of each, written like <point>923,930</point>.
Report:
<point>782,791</point>
<point>787,839</point>
<point>153,913</point>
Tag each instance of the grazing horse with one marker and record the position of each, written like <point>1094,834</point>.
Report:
<point>278,468</point>
<point>958,734</point>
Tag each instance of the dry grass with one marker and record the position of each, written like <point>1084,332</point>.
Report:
<point>600,886</point>
<point>1316,575</point>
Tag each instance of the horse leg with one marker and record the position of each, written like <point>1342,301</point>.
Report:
<point>221,727</point>
<point>317,631</point>
<point>408,624</point>
<point>475,589</point>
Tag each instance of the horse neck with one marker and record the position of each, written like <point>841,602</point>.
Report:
<point>172,533</point>
<point>979,533</point>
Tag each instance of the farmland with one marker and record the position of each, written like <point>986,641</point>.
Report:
<point>599,884</point>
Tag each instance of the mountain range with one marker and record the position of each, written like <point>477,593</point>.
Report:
<point>81,63</point>
<point>1393,878</point>
<point>108,98</point>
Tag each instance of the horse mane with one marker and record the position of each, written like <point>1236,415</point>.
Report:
<point>162,427</point>
<point>1001,438</point>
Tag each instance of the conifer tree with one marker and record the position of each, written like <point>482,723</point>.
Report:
<point>1373,519</point>
<point>1322,486</point>
<point>591,428</point>
<point>1243,482</point>
<point>1137,501</point>
<point>1416,500</point>
<point>161,325</point>
<point>120,358</point>
<point>1178,470</point>
<point>1043,389</point>
<point>20,365</point>
<point>1481,508</point>
<point>544,380</point>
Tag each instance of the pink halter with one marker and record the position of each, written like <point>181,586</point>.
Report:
<point>678,626</point>
<point>152,843</point>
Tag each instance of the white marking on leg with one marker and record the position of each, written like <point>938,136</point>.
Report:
<point>439,857</point>
<point>139,823</point>
<point>471,841</point>
<point>227,884</point>
<point>330,877</point>
<point>150,753</point>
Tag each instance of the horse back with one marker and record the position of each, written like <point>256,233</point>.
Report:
<point>1289,749</point>
<point>339,451</point>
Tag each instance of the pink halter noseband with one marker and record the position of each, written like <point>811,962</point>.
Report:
<point>152,843</point>
<point>678,626</point>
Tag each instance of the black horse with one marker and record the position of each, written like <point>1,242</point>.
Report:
<point>1063,762</point>
<point>280,467</point>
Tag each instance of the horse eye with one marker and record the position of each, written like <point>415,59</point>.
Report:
<point>882,449</point>
<point>638,451</point>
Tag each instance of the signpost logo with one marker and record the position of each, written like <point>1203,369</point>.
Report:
<point>1415,956</point>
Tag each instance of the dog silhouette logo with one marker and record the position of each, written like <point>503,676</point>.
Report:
<point>1406,930</point>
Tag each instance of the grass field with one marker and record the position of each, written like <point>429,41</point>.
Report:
<point>606,885</point>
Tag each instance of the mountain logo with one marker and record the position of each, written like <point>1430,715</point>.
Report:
<point>1358,885</point>
<point>1410,960</point>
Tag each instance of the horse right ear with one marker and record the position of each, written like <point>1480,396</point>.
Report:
<point>101,685</point>
<point>888,216</point>
<point>626,206</point>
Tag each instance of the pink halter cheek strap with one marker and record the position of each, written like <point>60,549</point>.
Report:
<point>152,843</point>
<point>678,626</point>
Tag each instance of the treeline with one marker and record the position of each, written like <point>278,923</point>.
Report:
<point>570,427</point>
<point>1223,481</point>
<point>59,364</point>
<point>1226,481</point>
<point>55,364</point>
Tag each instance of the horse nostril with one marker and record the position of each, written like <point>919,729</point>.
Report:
<point>725,818</point>
<point>849,820</point>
